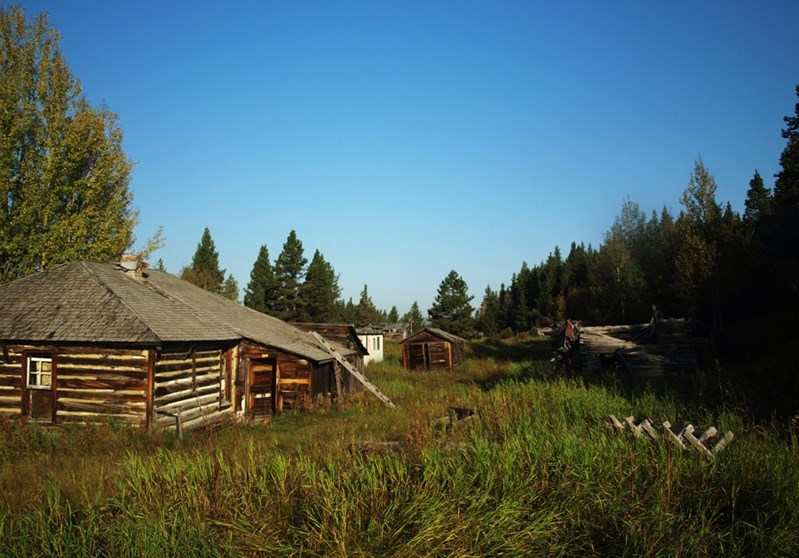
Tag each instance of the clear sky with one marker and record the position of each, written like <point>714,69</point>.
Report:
<point>406,139</point>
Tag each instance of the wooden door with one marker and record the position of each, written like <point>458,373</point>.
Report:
<point>261,393</point>
<point>39,398</point>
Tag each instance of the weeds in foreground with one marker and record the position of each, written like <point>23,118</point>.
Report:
<point>538,473</point>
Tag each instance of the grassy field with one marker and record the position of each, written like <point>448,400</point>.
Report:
<point>537,473</point>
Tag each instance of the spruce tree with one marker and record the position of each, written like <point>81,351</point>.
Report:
<point>261,288</point>
<point>289,274</point>
<point>366,312</point>
<point>393,315</point>
<point>320,292</point>
<point>786,187</point>
<point>230,289</point>
<point>758,204</point>
<point>414,317</point>
<point>451,309</point>
<point>204,270</point>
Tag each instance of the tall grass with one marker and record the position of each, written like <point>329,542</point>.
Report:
<point>538,473</point>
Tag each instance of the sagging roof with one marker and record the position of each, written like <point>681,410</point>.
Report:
<point>89,302</point>
<point>440,333</point>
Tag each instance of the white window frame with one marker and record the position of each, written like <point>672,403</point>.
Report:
<point>35,374</point>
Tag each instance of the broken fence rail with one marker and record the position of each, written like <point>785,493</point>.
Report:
<point>678,437</point>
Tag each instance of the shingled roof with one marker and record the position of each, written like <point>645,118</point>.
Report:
<point>88,302</point>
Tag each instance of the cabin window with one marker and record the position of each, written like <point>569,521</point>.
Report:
<point>40,372</point>
<point>377,343</point>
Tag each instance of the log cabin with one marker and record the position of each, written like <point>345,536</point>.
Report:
<point>87,342</point>
<point>432,349</point>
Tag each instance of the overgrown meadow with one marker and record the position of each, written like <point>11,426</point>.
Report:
<point>537,472</point>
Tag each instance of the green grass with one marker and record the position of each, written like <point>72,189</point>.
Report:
<point>539,473</point>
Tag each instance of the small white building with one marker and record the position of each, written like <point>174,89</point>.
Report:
<point>372,339</point>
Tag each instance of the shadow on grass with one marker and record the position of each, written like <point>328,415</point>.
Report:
<point>514,350</point>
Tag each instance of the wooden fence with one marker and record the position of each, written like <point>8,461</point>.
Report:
<point>685,438</point>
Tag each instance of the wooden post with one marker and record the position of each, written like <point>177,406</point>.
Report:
<point>179,423</point>
<point>150,387</point>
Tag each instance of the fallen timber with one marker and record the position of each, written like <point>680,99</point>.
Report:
<point>701,442</point>
<point>661,348</point>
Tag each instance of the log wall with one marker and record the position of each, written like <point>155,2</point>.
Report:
<point>90,384</point>
<point>191,384</point>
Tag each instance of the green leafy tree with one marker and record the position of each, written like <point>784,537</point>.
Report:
<point>452,310</point>
<point>204,269</point>
<point>366,312</point>
<point>414,317</point>
<point>63,175</point>
<point>289,274</point>
<point>618,284</point>
<point>393,315</point>
<point>697,250</point>
<point>261,287</point>
<point>320,292</point>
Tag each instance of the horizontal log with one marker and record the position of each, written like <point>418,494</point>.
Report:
<point>161,375</point>
<point>114,396</point>
<point>10,381</point>
<point>173,366</point>
<point>100,407</point>
<point>86,416</point>
<point>95,374</point>
<point>101,383</point>
<point>188,403</point>
<point>168,397</point>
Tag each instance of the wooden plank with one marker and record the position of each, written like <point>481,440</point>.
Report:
<point>353,371</point>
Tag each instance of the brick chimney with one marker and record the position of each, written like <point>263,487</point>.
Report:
<point>134,265</point>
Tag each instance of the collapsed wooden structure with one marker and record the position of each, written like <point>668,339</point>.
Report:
<point>661,348</point>
<point>86,341</point>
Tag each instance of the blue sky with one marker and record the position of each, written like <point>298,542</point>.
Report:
<point>407,139</point>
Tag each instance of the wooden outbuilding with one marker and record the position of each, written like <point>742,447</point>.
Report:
<point>345,340</point>
<point>88,341</point>
<point>432,349</point>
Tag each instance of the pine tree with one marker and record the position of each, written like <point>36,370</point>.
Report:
<point>487,321</point>
<point>320,292</point>
<point>261,288</point>
<point>230,289</point>
<point>452,310</point>
<point>393,315</point>
<point>204,270</point>
<point>758,204</point>
<point>63,175</point>
<point>414,317</point>
<point>786,187</point>
<point>366,312</point>
<point>289,274</point>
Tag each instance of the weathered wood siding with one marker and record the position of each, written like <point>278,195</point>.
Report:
<point>90,384</point>
<point>293,376</point>
<point>11,381</point>
<point>293,382</point>
<point>94,384</point>
<point>426,351</point>
<point>191,383</point>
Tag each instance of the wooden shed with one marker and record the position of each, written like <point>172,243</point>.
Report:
<point>86,341</point>
<point>432,349</point>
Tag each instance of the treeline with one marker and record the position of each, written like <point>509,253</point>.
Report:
<point>290,288</point>
<point>736,276</point>
<point>731,271</point>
